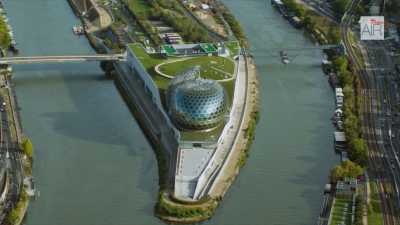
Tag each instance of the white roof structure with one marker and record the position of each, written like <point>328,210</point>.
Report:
<point>191,162</point>
<point>279,2</point>
<point>338,111</point>
<point>340,136</point>
<point>205,7</point>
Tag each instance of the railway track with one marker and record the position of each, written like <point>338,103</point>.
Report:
<point>370,96</point>
<point>10,153</point>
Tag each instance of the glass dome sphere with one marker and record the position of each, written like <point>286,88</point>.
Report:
<point>196,103</point>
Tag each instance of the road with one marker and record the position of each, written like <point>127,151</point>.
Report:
<point>376,126</point>
<point>11,153</point>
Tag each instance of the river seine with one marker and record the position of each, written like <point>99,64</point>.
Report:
<point>93,165</point>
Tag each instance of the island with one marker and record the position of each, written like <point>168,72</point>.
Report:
<point>191,84</point>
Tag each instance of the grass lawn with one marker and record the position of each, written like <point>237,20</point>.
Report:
<point>138,6</point>
<point>341,205</point>
<point>233,47</point>
<point>211,135</point>
<point>374,209</point>
<point>212,67</point>
<point>149,62</point>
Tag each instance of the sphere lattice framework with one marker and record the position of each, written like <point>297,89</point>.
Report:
<point>195,103</point>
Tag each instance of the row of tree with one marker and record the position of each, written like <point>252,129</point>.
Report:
<point>309,20</point>
<point>340,7</point>
<point>345,169</point>
<point>142,21</point>
<point>185,26</point>
<point>171,13</point>
<point>235,27</point>
<point>357,147</point>
<point>5,39</point>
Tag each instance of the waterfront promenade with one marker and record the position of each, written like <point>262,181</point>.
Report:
<point>215,170</point>
<point>247,103</point>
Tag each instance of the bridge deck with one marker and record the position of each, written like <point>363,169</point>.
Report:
<point>62,59</point>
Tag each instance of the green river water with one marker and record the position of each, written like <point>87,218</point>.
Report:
<point>93,165</point>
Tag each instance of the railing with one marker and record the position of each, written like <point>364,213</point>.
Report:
<point>61,59</point>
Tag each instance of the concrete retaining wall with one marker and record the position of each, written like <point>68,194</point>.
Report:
<point>142,97</point>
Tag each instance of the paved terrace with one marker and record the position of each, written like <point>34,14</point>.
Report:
<point>62,59</point>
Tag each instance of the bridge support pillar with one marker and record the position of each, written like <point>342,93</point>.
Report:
<point>108,68</point>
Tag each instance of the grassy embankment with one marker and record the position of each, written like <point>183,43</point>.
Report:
<point>16,214</point>
<point>235,26</point>
<point>175,210</point>
<point>5,39</point>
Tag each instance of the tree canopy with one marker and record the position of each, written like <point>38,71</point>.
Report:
<point>27,147</point>
<point>345,169</point>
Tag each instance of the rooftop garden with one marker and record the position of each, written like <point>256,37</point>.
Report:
<point>211,67</point>
<point>233,47</point>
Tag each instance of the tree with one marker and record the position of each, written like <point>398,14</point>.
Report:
<point>358,151</point>
<point>340,6</point>
<point>345,169</point>
<point>27,147</point>
<point>334,35</point>
<point>341,64</point>
<point>5,39</point>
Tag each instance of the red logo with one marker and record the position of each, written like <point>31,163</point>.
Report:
<point>375,22</point>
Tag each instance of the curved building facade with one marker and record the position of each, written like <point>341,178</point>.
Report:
<point>196,103</point>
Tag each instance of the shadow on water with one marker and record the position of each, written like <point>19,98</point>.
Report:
<point>93,164</point>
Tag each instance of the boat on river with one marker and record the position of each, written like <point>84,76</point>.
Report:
<point>78,30</point>
<point>284,57</point>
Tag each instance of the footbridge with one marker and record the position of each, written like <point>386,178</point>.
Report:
<point>62,59</point>
<point>296,50</point>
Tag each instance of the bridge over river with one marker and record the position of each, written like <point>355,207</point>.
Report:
<point>62,59</point>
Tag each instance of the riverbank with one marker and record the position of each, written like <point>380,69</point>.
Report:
<point>353,150</point>
<point>97,20</point>
<point>22,167</point>
<point>13,138</point>
<point>320,28</point>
